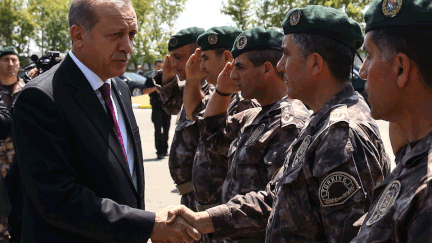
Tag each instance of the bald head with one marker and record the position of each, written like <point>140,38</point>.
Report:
<point>83,12</point>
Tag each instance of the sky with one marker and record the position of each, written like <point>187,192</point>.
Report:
<point>204,14</point>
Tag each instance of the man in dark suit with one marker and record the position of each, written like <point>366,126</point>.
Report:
<point>78,142</point>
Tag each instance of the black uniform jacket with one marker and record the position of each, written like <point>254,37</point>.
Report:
<point>77,183</point>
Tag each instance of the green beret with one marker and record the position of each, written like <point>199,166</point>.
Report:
<point>324,21</point>
<point>8,50</point>
<point>218,37</point>
<point>184,37</point>
<point>257,38</point>
<point>397,13</point>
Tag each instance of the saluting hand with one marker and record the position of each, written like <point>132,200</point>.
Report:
<point>224,82</point>
<point>168,72</point>
<point>194,74</point>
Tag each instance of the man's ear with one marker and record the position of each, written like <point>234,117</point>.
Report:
<point>268,68</point>
<point>227,56</point>
<point>402,67</point>
<point>77,33</point>
<point>316,63</point>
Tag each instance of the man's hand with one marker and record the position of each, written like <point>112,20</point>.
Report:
<point>194,74</point>
<point>176,231</point>
<point>168,72</point>
<point>33,73</point>
<point>200,221</point>
<point>224,82</point>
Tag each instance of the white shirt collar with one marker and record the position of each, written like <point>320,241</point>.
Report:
<point>95,81</point>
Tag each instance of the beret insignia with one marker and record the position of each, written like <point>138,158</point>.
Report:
<point>242,42</point>
<point>391,8</point>
<point>386,201</point>
<point>258,131</point>
<point>301,152</point>
<point>337,188</point>
<point>295,18</point>
<point>213,39</point>
<point>173,42</point>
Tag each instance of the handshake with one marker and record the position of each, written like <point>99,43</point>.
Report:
<point>180,224</point>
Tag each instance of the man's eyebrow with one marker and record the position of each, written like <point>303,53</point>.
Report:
<point>237,64</point>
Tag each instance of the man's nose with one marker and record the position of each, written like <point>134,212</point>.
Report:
<point>281,66</point>
<point>126,45</point>
<point>202,64</point>
<point>363,71</point>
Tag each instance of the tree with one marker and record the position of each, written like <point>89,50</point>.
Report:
<point>51,17</point>
<point>240,12</point>
<point>17,24</point>
<point>271,13</point>
<point>155,19</point>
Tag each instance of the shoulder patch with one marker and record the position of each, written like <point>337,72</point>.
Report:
<point>258,131</point>
<point>337,188</point>
<point>301,151</point>
<point>339,114</point>
<point>385,202</point>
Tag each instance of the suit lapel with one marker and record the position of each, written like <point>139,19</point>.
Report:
<point>86,97</point>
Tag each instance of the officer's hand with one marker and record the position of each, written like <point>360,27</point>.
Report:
<point>168,72</point>
<point>200,221</point>
<point>194,74</point>
<point>224,82</point>
<point>176,231</point>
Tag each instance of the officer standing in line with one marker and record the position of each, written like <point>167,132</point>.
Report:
<point>399,85</point>
<point>10,87</point>
<point>184,145</point>
<point>332,169</point>
<point>210,169</point>
<point>173,75</point>
<point>161,120</point>
<point>256,138</point>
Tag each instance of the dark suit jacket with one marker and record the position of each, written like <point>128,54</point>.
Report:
<point>77,183</point>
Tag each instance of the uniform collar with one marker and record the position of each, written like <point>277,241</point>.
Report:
<point>337,99</point>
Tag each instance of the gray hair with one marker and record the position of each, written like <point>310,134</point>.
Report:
<point>83,12</point>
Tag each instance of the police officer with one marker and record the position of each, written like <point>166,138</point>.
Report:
<point>331,170</point>
<point>399,84</point>
<point>161,120</point>
<point>184,145</point>
<point>10,86</point>
<point>210,169</point>
<point>258,136</point>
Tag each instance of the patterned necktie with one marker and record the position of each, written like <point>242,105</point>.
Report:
<point>106,93</point>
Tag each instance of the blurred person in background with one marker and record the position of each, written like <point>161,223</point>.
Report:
<point>161,120</point>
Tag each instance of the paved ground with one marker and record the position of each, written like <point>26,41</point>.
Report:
<point>160,189</point>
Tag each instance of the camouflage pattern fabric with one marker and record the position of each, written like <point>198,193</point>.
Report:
<point>325,185</point>
<point>210,169</point>
<point>260,138</point>
<point>183,149</point>
<point>402,207</point>
<point>171,93</point>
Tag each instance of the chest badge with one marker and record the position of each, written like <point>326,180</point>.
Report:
<point>301,152</point>
<point>386,201</point>
<point>258,131</point>
<point>337,188</point>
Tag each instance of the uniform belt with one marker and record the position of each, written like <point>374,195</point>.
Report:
<point>200,207</point>
<point>246,240</point>
<point>185,188</point>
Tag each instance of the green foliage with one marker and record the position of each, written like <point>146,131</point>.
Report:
<point>17,24</point>
<point>240,12</point>
<point>156,19</point>
<point>51,16</point>
<point>271,13</point>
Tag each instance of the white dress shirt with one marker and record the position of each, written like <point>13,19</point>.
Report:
<point>96,82</point>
